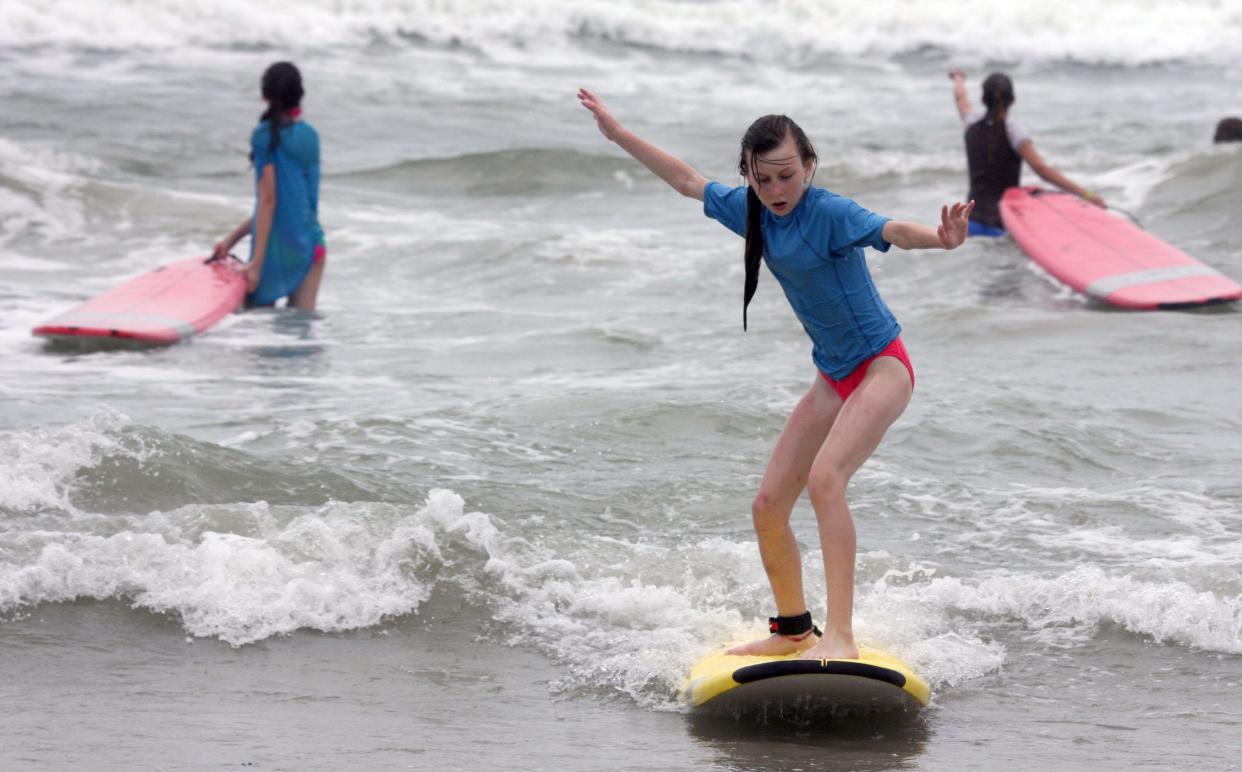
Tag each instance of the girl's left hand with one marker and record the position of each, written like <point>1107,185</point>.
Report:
<point>609,126</point>
<point>954,223</point>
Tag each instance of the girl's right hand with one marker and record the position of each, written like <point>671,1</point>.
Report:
<point>608,126</point>
<point>221,250</point>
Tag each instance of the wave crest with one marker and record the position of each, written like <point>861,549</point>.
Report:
<point>1123,32</point>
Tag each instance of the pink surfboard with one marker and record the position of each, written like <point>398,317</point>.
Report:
<point>1106,257</point>
<point>166,305</point>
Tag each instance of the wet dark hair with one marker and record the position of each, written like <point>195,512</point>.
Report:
<point>282,88</point>
<point>997,93</point>
<point>1228,130</point>
<point>762,137</point>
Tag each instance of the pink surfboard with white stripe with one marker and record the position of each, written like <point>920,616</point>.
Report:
<point>1106,257</point>
<point>166,305</point>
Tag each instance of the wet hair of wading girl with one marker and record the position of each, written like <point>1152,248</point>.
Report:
<point>762,137</point>
<point>282,88</point>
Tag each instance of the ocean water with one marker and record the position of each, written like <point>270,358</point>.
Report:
<point>489,504</point>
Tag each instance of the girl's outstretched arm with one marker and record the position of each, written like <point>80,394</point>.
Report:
<point>959,93</point>
<point>676,172</point>
<point>1052,174</point>
<point>954,221</point>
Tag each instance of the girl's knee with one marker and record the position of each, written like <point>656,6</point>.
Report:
<point>827,483</point>
<point>766,513</point>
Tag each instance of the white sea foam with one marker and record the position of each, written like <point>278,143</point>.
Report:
<point>1109,31</point>
<point>631,616</point>
<point>1141,525</point>
<point>46,167</point>
<point>1082,599</point>
<point>340,567</point>
<point>38,196</point>
<point>37,465</point>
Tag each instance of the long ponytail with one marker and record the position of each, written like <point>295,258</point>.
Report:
<point>763,136</point>
<point>282,88</point>
<point>754,248</point>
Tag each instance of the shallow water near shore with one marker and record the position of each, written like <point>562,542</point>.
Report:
<point>491,501</point>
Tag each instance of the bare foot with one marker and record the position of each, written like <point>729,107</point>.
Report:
<point>832,647</point>
<point>775,645</point>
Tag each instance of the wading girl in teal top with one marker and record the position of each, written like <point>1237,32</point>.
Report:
<point>812,241</point>
<point>287,253</point>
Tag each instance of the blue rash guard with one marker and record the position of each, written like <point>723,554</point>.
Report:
<point>816,254</point>
<point>295,223</point>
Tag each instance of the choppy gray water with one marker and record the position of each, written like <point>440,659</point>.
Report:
<point>490,504</point>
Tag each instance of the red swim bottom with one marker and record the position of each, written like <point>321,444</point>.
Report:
<point>845,387</point>
<point>321,254</point>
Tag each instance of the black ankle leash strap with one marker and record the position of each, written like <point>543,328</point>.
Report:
<point>792,625</point>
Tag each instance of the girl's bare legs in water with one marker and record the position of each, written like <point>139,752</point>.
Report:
<point>304,297</point>
<point>823,444</point>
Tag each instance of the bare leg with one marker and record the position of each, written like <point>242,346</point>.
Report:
<point>303,298</point>
<point>783,482</point>
<point>857,431</point>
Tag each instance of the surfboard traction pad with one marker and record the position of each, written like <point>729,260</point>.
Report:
<point>787,685</point>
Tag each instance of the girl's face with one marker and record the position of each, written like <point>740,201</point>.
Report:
<point>779,177</point>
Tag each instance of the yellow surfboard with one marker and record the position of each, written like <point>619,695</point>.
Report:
<point>876,681</point>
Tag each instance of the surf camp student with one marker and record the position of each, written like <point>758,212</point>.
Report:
<point>996,146</point>
<point>1228,130</point>
<point>812,241</point>
<point>287,252</point>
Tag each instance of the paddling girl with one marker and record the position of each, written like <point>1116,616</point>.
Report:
<point>996,146</point>
<point>812,241</point>
<point>287,252</point>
